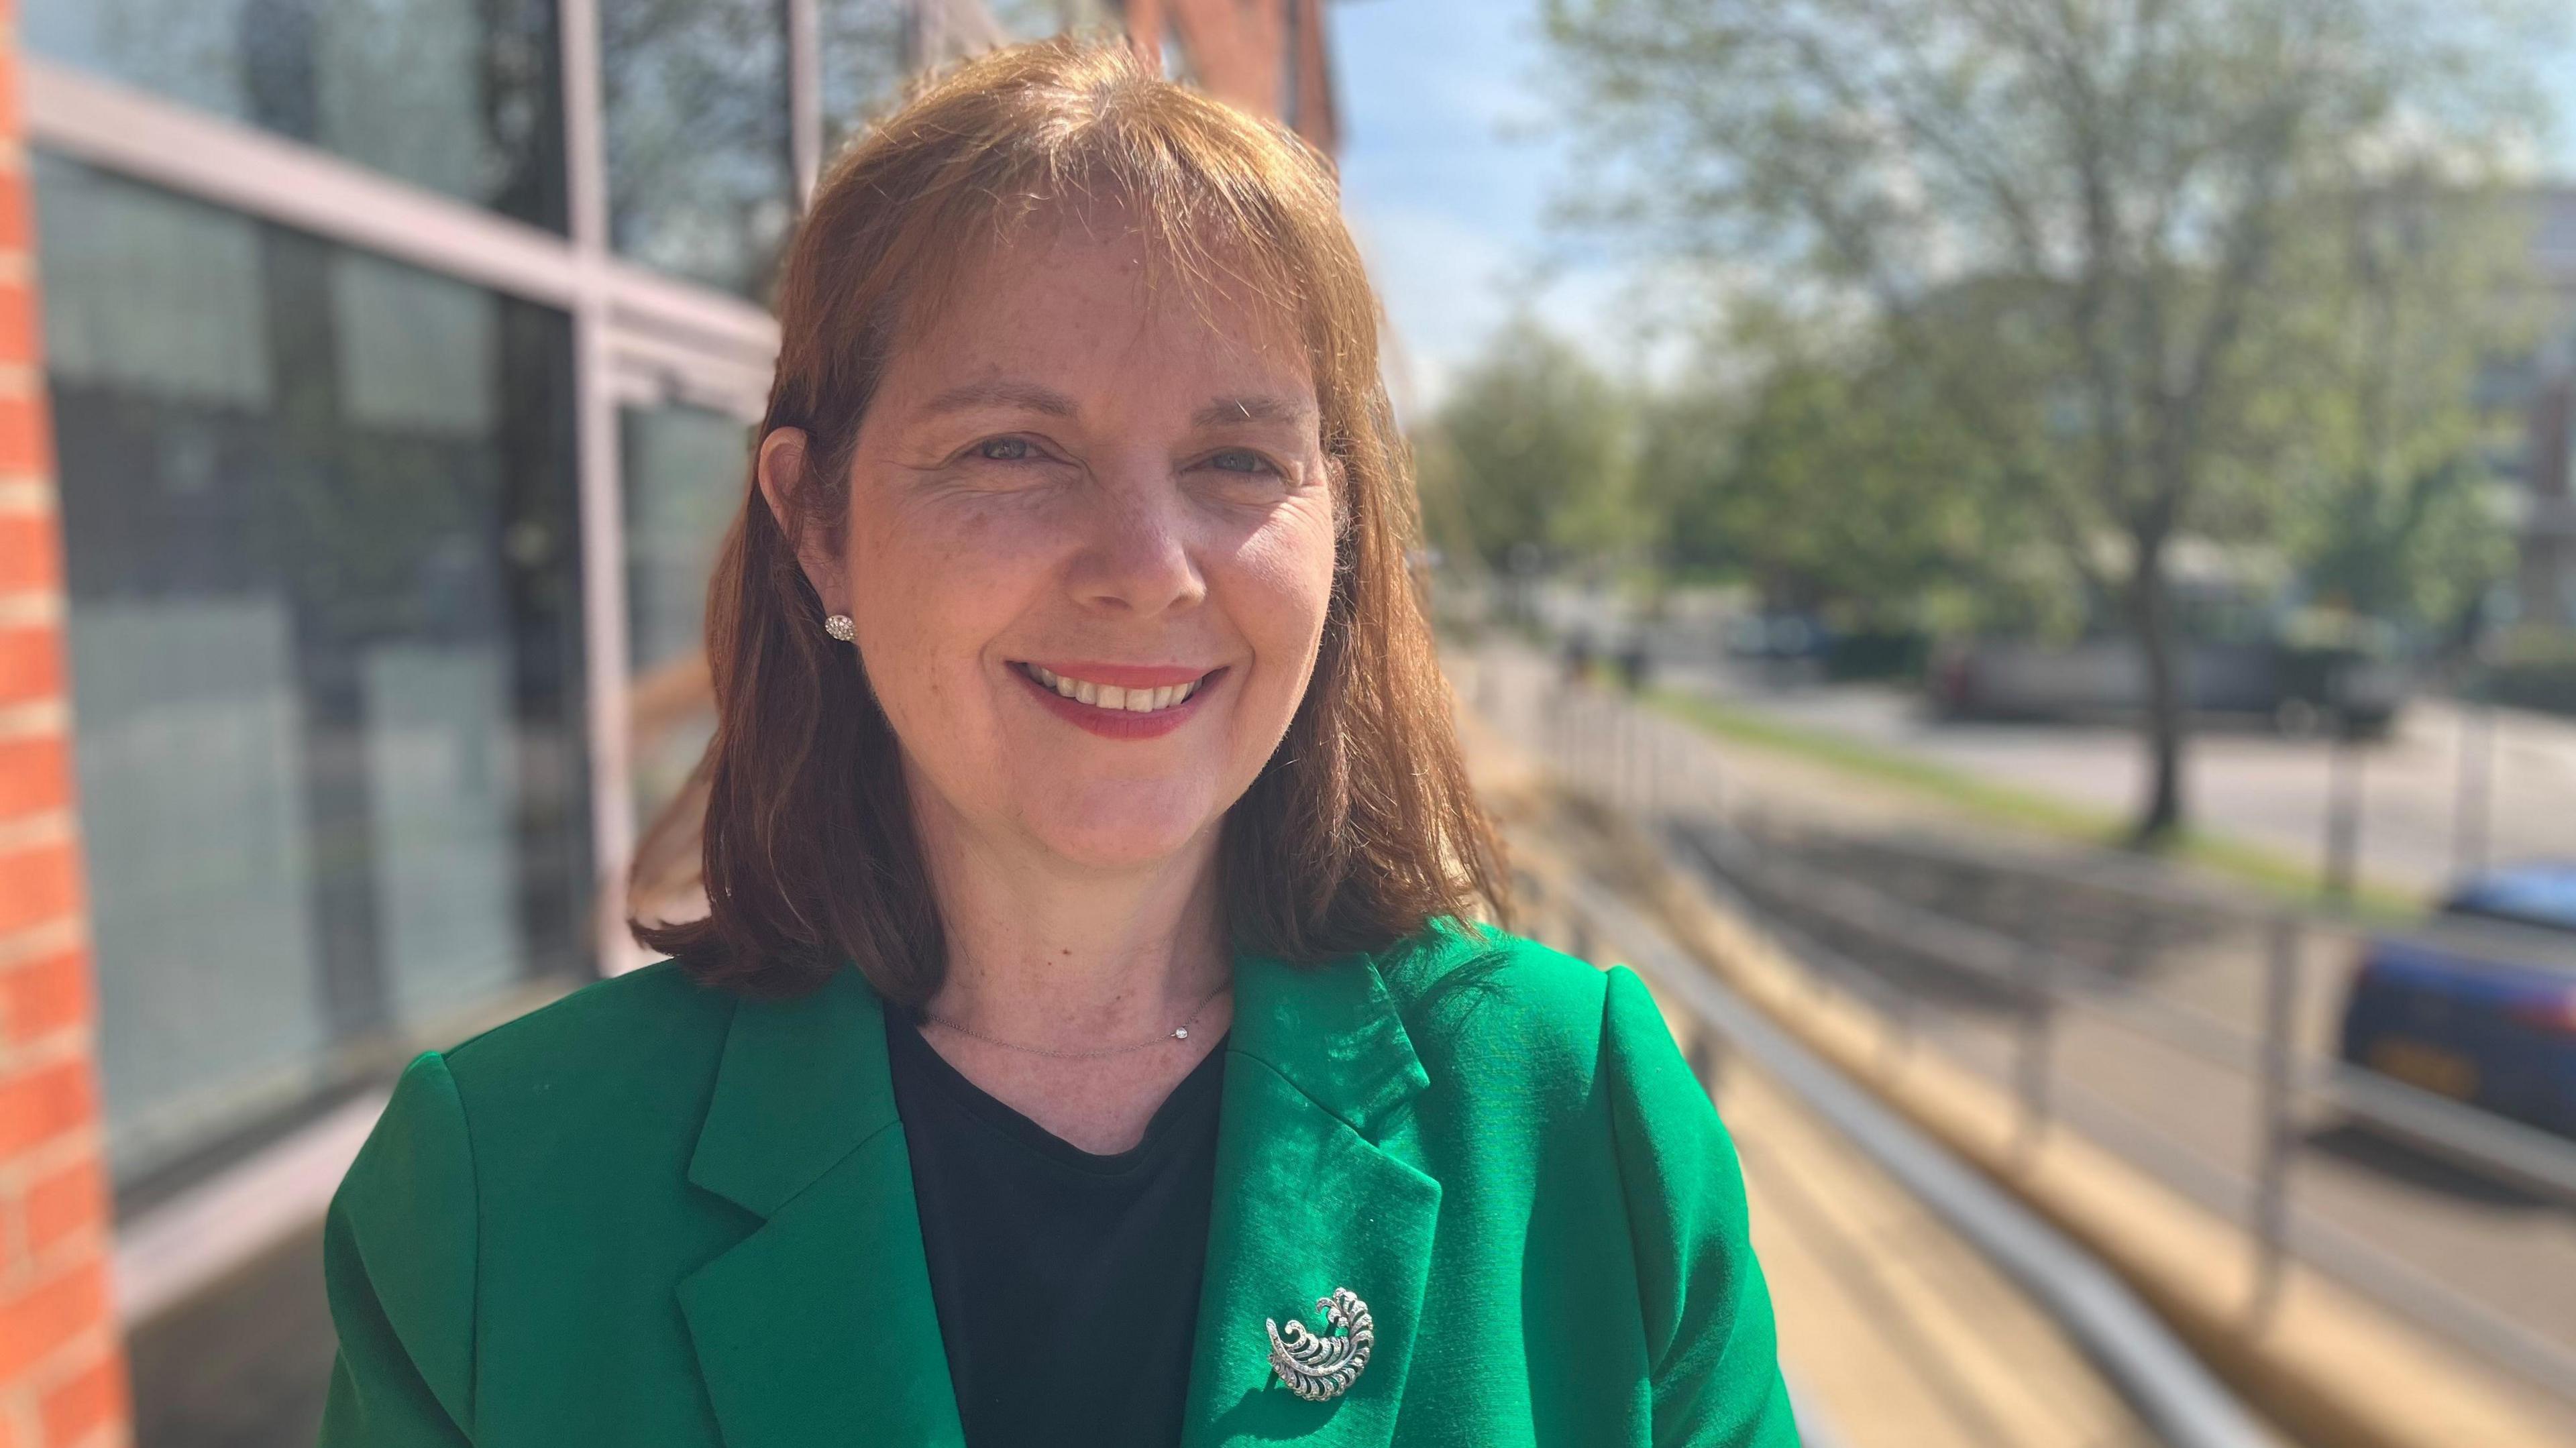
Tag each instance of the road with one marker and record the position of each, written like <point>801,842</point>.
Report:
<point>2241,783</point>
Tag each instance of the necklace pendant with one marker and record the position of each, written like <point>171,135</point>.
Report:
<point>1182,1034</point>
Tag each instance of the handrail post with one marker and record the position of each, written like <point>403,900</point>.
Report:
<point>1707,1058</point>
<point>2272,1169</point>
<point>2037,997</point>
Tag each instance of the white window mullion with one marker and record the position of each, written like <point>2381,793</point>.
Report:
<point>805,95</point>
<point>603,512</point>
<point>139,135</point>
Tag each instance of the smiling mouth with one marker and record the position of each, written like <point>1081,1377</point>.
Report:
<point>1110,696</point>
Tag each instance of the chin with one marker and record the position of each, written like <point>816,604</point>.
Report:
<point>1128,842</point>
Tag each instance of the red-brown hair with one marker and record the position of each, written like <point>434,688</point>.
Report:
<point>1359,830</point>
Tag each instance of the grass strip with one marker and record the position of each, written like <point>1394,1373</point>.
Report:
<point>2265,869</point>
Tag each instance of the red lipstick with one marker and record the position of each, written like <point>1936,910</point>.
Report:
<point>1122,723</point>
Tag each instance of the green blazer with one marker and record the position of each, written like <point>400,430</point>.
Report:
<point>651,1213</point>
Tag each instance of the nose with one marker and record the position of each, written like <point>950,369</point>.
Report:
<point>1136,555</point>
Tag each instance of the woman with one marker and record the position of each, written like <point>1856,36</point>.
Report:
<point>1083,1044</point>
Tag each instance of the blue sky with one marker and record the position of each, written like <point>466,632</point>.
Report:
<point>1448,162</point>
<point>1449,159</point>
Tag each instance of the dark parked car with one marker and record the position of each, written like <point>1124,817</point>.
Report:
<point>2480,1005</point>
<point>2106,678</point>
<point>1779,636</point>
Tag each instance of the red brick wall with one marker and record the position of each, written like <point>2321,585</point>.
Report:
<point>62,1369</point>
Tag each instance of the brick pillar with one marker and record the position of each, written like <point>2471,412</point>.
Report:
<point>62,1365</point>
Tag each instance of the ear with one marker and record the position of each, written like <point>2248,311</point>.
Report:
<point>783,479</point>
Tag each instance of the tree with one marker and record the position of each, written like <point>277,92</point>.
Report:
<point>2078,216</point>
<point>1533,446</point>
<point>1833,477</point>
<point>2391,509</point>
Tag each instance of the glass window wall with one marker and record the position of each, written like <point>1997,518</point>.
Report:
<point>685,475</point>
<point>1038,19</point>
<point>323,566</point>
<point>865,53</point>
<point>460,96</point>
<point>700,183</point>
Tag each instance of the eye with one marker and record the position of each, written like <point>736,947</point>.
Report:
<point>1005,450</point>
<point>1240,460</point>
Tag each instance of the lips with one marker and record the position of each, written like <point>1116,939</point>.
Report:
<point>1140,698</point>
<point>1170,695</point>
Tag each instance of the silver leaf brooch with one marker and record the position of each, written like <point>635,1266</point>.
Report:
<point>1316,1366</point>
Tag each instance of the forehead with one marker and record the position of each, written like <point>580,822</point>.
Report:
<point>1093,291</point>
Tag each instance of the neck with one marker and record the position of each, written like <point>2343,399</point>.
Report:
<point>1044,953</point>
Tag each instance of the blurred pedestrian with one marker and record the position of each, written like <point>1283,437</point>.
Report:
<point>1634,664</point>
<point>1576,657</point>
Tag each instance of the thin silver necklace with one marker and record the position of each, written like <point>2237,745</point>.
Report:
<point>1177,1033</point>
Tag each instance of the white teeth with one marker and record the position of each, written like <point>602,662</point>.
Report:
<point>1109,696</point>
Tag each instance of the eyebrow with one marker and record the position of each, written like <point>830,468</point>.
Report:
<point>1248,409</point>
<point>1047,400</point>
<point>1027,395</point>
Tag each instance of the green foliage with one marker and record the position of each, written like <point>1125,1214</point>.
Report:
<point>1855,487</point>
<point>1535,446</point>
<point>2418,287</point>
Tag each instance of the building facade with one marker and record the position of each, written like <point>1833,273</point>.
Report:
<point>377,383</point>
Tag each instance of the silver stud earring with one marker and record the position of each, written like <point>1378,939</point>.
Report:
<point>840,627</point>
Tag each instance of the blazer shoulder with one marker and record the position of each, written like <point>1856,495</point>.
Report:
<point>1464,990</point>
<point>611,1035</point>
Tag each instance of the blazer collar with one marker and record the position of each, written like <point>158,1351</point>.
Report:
<point>822,1317</point>
<point>1332,1032</point>
<point>820,1324</point>
<point>802,1083</point>
<point>1318,1186</point>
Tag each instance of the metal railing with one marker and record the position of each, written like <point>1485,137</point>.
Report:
<point>1656,771</point>
<point>2160,1379</point>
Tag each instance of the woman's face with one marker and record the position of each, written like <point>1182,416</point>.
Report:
<point>1090,548</point>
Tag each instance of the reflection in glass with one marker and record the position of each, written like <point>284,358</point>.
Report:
<point>318,513</point>
<point>685,476</point>
<point>699,179</point>
<point>1038,19</point>
<point>460,96</point>
<point>867,48</point>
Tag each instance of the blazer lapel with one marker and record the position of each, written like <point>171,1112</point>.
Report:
<point>818,1327</point>
<point>1317,1187</point>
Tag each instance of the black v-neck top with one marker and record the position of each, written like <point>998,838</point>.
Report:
<point>1067,1282</point>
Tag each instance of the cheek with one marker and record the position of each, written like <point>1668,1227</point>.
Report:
<point>930,588</point>
<point>1288,579</point>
